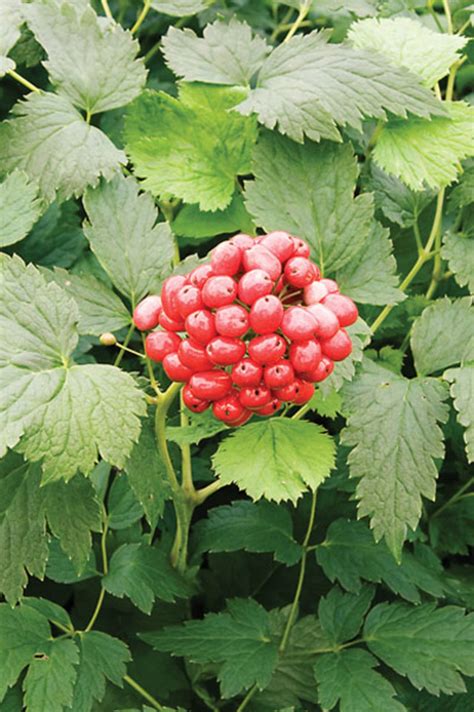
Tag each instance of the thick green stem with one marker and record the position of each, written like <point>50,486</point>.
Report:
<point>105,569</point>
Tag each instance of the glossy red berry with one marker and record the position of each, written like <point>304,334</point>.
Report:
<point>201,326</point>
<point>210,385</point>
<point>255,397</point>
<point>170,324</point>
<point>270,408</point>
<point>278,374</point>
<point>229,408</point>
<point>280,243</point>
<point>194,356</point>
<point>160,343</point>
<point>225,350</point>
<point>338,347</point>
<point>147,313</point>
<point>298,324</point>
<point>226,259</point>
<point>305,355</point>
<point>343,307</point>
<point>258,257</point>
<point>175,368</point>
<point>254,284</point>
<point>195,404</point>
<point>314,293</point>
<point>242,241</point>
<point>299,272</point>
<point>247,414</point>
<point>303,393</point>
<point>301,248</point>
<point>330,285</point>
<point>169,292</point>
<point>288,392</point>
<point>324,369</point>
<point>188,300</point>
<point>232,320</point>
<point>247,373</point>
<point>199,275</point>
<point>266,314</point>
<point>328,323</point>
<point>219,291</point>
<point>267,348</point>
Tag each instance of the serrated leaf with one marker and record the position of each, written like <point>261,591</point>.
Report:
<point>239,639</point>
<point>49,682</point>
<point>226,53</point>
<point>122,506</point>
<point>51,142</point>
<point>285,458</point>
<point>11,17</point>
<point>341,614</point>
<point>257,527</point>
<point>19,207</point>
<point>345,370</point>
<point>410,44</point>
<point>329,406</point>
<point>60,568</point>
<point>105,76</point>
<point>458,250</point>
<point>462,393</point>
<point>193,147</point>
<point>50,610</point>
<point>195,223</point>
<point>349,555</point>
<point>124,236</point>
<point>178,8</point>
<point>326,214</point>
<point>348,677</point>
<point>101,658</point>
<point>462,194</point>
<point>430,646</point>
<point>143,573</point>
<point>67,414</point>
<point>424,152</point>
<point>431,348</point>
<point>370,277</point>
<point>396,201</point>
<point>393,428</point>
<point>201,426</point>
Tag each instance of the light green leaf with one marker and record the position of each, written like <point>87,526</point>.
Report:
<point>51,142</point>
<point>443,335</point>
<point>102,658</point>
<point>122,506</point>
<point>349,554</point>
<point>19,207</point>
<point>54,410</point>
<point>328,406</point>
<point>427,152</point>
<point>462,393</point>
<point>348,677</point>
<point>50,610</point>
<point>49,682</point>
<point>396,201</point>
<point>410,44</point>
<point>462,194</point>
<point>258,527</point>
<point>285,458</point>
<point>226,53</point>
<point>143,573</point>
<point>192,222</point>
<point>201,426</point>
<point>393,428</point>
<point>239,639</point>
<point>345,370</point>
<point>309,191</point>
<point>458,250</point>
<point>179,8</point>
<point>11,18</point>
<point>370,277</point>
<point>192,147</point>
<point>341,614</point>
<point>123,234</point>
<point>430,645</point>
<point>103,76</point>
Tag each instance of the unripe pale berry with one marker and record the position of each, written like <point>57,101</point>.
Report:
<point>267,348</point>
<point>201,326</point>
<point>258,257</point>
<point>280,243</point>
<point>210,385</point>
<point>266,314</point>
<point>147,313</point>
<point>247,373</point>
<point>343,307</point>
<point>219,291</point>
<point>226,259</point>
<point>188,300</point>
<point>160,343</point>
<point>254,284</point>
<point>225,350</point>
<point>175,368</point>
<point>299,272</point>
<point>169,292</point>
<point>193,354</point>
<point>328,323</point>
<point>255,397</point>
<point>298,324</point>
<point>232,320</point>
<point>108,339</point>
<point>338,347</point>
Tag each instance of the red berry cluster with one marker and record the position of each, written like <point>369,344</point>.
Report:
<point>259,327</point>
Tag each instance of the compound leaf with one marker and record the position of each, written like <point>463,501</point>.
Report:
<point>50,679</point>
<point>341,614</point>
<point>123,508</point>
<point>462,393</point>
<point>19,207</point>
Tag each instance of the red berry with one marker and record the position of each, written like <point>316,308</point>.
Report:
<point>219,291</point>
<point>258,257</point>
<point>305,355</point>
<point>229,408</point>
<point>160,343</point>
<point>343,307</point>
<point>266,314</point>
<point>188,300</point>
<point>247,373</point>
<point>280,243</point>
<point>170,324</point>
<point>270,408</point>
<point>242,241</point>
<point>314,293</point>
<point>328,323</point>
<point>324,369</point>
<point>193,355</point>
<point>201,326</point>
<point>175,368</point>
<point>195,404</point>
<point>278,374</point>
<point>147,313</point>
<point>304,392</point>
<point>267,348</point>
<point>243,419</point>
<point>287,393</point>
<point>225,351</point>
<point>226,259</point>
<point>254,284</point>
<point>232,320</point>
<point>298,324</point>
<point>210,385</point>
<point>301,248</point>
<point>255,397</point>
<point>338,347</point>
<point>169,292</point>
<point>299,272</point>
<point>199,275</point>
<point>330,285</point>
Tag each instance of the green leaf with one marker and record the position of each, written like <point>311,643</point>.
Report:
<point>328,406</point>
<point>325,213</point>
<point>370,277</point>
<point>285,458</point>
<point>178,8</point>
<point>426,152</point>
<point>462,194</point>
<point>49,682</point>
<point>51,142</point>
<point>192,147</point>
<point>201,426</point>
<point>239,639</point>
<point>462,393</point>
<point>410,44</point>
<point>257,527</point>
<point>105,76</point>
<point>23,633</point>
<point>122,506</point>
<point>143,573</point>
<point>443,335</point>
<point>13,700</point>
<point>192,222</point>
<point>73,511</point>
<point>226,53</point>
<point>397,202</point>
<point>452,528</point>
<point>123,234</point>
<point>348,677</point>
<point>430,645</point>
<point>50,610</point>
<point>349,554</point>
<point>341,614</point>
<point>345,370</point>
<point>11,18</point>
<point>101,658</point>
<point>393,428</point>
<point>54,410</point>
<point>458,250</point>
<point>19,207</point>
<point>60,568</point>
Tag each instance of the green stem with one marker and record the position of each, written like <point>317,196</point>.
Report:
<point>301,411</point>
<point>304,9</point>
<point>201,495</point>
<point>247,698</point>
<point>449,19</point>
<point>123,347</point>
<point>457,495</point>
<point>162,409</point>
<point>141,16</point>
<point>151,373</point>
<point>141,691</point>
<point>23,81</point>
<point>284,21</point>
<point>186,462</point>
<point>106,8</point>
<point>152,51</point>
<point>105,569</point>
